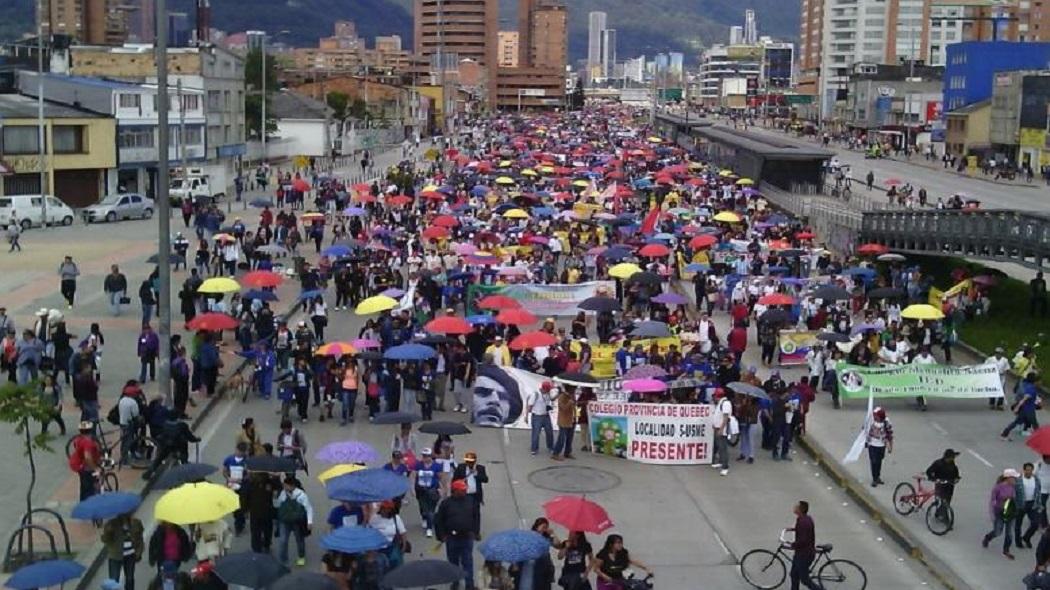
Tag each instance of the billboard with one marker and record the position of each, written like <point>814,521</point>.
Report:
<point>778,66</point>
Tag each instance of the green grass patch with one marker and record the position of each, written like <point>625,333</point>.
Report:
<point>1008,323</point>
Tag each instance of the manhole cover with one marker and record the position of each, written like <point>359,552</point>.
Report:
<point>578,480</point>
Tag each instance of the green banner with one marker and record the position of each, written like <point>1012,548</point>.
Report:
<point>476,292</point>
<point>973,381</point>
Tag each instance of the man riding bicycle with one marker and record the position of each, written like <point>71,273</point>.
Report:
<point>944,474</point>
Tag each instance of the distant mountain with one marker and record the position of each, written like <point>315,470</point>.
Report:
<point>643,26</point>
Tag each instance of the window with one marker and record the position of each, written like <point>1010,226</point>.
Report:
<point>69,139</point>
<point>21,140</point>
<point>136,137</point>
<point>130,101</point>
<point>214,100</point>
<point>190,102</point>
<point>194,136</point>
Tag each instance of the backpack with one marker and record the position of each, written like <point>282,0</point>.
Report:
<point>291,511</point>
<point>113,417</point>
<point>1008,510</point>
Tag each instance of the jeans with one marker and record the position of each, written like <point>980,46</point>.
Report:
<point>114,301</point>
<point>542,422</point>
<point>89,411</point>
<point>147,362</point>
<point>721,452</point>
<point>69,290</point>
<point>27,372</point>
<point>1025,419</point>
<point>147,313</point>
<point>128,566</point>
<point>349,399</point>
<point>1030,509</point>
<point>87,484</point>
<point>460,551</point>
<point>800,572</point>
<point>127,440</point>
<point>781,440</point>
<point>746,449</point>
<point>300,541</point>
<point>1000,527</point>
<point>564,442</point>
<point>875,457</point>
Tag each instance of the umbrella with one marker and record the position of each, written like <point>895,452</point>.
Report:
<point>830,293</point>
<point>922,311</point>
<point>645,385</point>
<point>498,302</point>
<point>891,257</point>
<point>256,294</point>
<point>578,514</point>
<point>354,211</point>
<point>703,241</point>
<point>599,303</point>
<point>645,372</point>
<point>832,337</point>
<point>668,298</point>
<point>335,349</point>
<point>367,485</point>
<point>422,574</point>
<point>354,539</point>
<point>194,503</point>
<point>375,305</point>
<point>436,232</point>
<point>43,574</point>
<point>776,299</point>
<point>776,316</point>
<point>182,474</point>
<point>532,340</point>
<point>577,379</point>
<point>514,546</point>
<point>517,317</point>
<point>1039,441</point>
<point>624,270</point>
<point>219,285</point>
<point>271,464</point>
<point>410,352</point>
<point>337,251</point>
<point>300,185</point>
<point>650,329</point>
<point>260,203</point>
<point>654,251</point>
<point>348,451</point>
<point>362,343</point>
<point>871,249</point>
<point>861,328</point>
<point>516,214</point>
<point>254,570</point>
<point>747,389</point>
<point>645,278</point>
<point>885,293</point>
<point>337,470</point>
<point>444,428</point>
<point>893,182</point>
<point>697,267</point>
<point>212,322</point>
<point>448,325</point>
<point>727,217</point>
<point>304,580</point>
<point>173,258</point>
<point>106,505</point>
<point>396,418</point>
<point>312,293</point>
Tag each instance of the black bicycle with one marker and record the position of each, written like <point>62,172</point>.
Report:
<point>142,448</point>
<point>767,570</point>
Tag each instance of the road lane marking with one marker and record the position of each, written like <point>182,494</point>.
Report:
<point>979,458</point>
<point>940,429</point>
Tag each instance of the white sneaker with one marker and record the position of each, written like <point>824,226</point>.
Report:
<point>724,472</point>
<point>716,465</point>
<point>430,533</point>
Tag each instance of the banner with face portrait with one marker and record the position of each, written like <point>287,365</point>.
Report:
<point>661,434</point>
<point>502,395</point>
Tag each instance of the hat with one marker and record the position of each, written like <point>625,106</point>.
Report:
<point>1010,472</point>
<point>498,338</point>
<point>459,485</point>
<point>546,386</point>
<point>470,457</point>
<point>549,319</point>
<point>949,453</point>
<point>395,453</point>
<point>999,349</point>
<point>43,311</point>
<point>87,425</point>
<point>426,452</point>
<point>450,311</point>
<point>302,324</point>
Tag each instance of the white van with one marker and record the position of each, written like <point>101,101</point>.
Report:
<point>26,210</point>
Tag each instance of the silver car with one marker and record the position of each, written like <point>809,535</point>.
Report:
<point>120,206</point>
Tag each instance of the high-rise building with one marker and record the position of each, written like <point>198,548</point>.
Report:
<point>508,49</point>
<point>676,63</point>
<point>542,33</point>
<point>736,35</point>
<point>811,29</point>
<point>142,21</point>
<point>595,29</point>
<point>91,22</point>
<point>750,27</point>
<point>608,52</point>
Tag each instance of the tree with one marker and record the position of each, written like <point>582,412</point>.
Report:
<point>19,404</point>
<point>339,103</point>
<point>253,80</point>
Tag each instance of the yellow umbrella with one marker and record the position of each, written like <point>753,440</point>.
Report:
<point>727,217</point>
<point>922,311</point>
<point>726,172</point>
<point>338,470</point>
<point>655,139</point>
<point>516,214</point>
<point>504,180</point>
<point>624,270</point>
<point>194,503</point>
<point>429,188</point>
<point>375,305</point>
<point>219,285</point>
<point>745,182</point>
<point>581,182</point>
<point>547,169</point>
<point>528,172</point>
<point>505,164</point>
<point>696,165</point>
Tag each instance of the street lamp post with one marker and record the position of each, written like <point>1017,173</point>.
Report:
<point>42,155</point>
<point>163,205</point>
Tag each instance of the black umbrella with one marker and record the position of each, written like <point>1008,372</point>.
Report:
<point>187,473</point>
<point>304,581</point>
<point>830,293</point>
<point>432,339</point>
<point>369,355</point>
<point>396,418</point>
<point>776,316</point>
<point>173,258</point>
<point>650,329</point>
<point>885,293</point>
<point>578,379</point>
<point>254,570</point>
<point>420,574</point>
<point>792,253</point>
<point>271,464</point>
<point>645,278</point>
<point>599,304</point>
<point>445,428</point>
<point>747,389</point>
<point>832,337</point>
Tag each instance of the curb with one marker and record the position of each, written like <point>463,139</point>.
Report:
<point>889,523</point>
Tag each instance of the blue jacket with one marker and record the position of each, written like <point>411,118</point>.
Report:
<point>1019,496</point>
<point>209,355</point>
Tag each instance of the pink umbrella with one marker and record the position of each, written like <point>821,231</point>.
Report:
<point>597,250</point>
<point>464,249</point>
<point>644,385</point>
<point>362,343</point>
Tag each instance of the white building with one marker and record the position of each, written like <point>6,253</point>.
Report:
<point>304,126</point>
<point>595,34</point>
<point>944,31</point>
<point>608,53</point>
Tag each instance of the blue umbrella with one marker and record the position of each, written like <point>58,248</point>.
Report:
<point>663,236</point>
<point>354,211</point>
<point>43,574</point>
<point>260,295</point>
<point>696,267</point>
<point>367,485</point>
<point>479,191</point>
<point>106,505</point>
<point>410,352</point>
<point>260,203</point>
<point>643,183</point>
<point>336,251</point>
<point>514,546</point>
<point>311,294</point>
<point>542,211</point>
<point>482,320</point>
<point>858,270</point>
<point>354,539</point>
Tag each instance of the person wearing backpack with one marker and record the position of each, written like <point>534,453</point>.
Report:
<point>295,516</point>
<point>1002,507</point>
<point>84,459</point>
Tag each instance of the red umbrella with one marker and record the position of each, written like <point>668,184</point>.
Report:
<point>498,302</point>
<point>654,250</point>
<point>532,340</point>
<point>776,299</point>
<point>433,195</point>
<point>893,182</point>
<point>448,325</point>
<point>362,187</point>
<point>436,232</point>
<point>399,200</point>
<point>805,235</point>
<point>365,198</point>
<point>445,221</point>
<point>578,514</point>
<point>1039,441</point>
<point>212,322</point>
<point>300,185</point>
<point>703,241</point>
<point>517,317</point>
<point>872,249</point>
<point>262,278</point>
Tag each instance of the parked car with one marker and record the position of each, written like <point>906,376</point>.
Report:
<point>119,206</point>
<point>29,210</point>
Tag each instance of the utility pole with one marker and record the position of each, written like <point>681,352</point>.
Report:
<point>182,133</point>
<point>262,120</point>
<point>163,205</point>
<point>42,155</point>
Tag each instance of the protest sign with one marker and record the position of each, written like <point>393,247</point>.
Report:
<point>794,345</point>
<point>662,434</point>
<point>544,300</point>
<point>906,381</point>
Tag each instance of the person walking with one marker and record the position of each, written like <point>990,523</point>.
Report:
<point>84,458</point>
<point>258,501</point>
<point>147,348</point>
<point>879,442</point>
<point>115,285</point>
<point>457,526</point>
<point>1002,507</point>
<point>426,479</point>
<point>51,393</point>
<point>721,418</point>
<point>1002,366</point>
<point>295,516</point>
<point>476,477</point>
<point>804,547</point>
<point>68,273</point>
<point>169,548</point>
<point>566,424</point>
<point>539,417</point>
<point>14,232</point>
<point>123,538</point>
<point>1024,408</point>
<point>1028,494</point>
<point>148,300</point>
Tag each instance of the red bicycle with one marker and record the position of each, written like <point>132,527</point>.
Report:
<point>940,518</point>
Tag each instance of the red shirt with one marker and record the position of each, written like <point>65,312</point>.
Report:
<point>739,312</point>
<point>83,446</point>
<point>737,339</point>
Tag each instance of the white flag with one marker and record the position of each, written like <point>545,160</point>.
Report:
<point>862,436</point>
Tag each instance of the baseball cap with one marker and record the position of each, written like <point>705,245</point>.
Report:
<point>948,453</point>
<point>470,457</point>
<point>1011,472</point>
<point>459,485</point>
<point>87,425</point>
<point>426,452</point>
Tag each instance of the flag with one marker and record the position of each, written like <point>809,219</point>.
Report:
<point>862,437</point>
<point>649,224</point>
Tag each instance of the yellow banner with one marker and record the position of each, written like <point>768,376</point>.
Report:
<point>603,356</point>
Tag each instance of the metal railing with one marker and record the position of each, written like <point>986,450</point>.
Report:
<point>1007,235</point>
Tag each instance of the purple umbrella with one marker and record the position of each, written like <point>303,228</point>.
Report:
<point>668,298</point>
<point>645,372</point>
<point>860,328</point>
<point>644,385</point>
<point>393,292</point>
<point>350,451</point>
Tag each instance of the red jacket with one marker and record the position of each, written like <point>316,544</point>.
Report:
<point>737,339</point>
